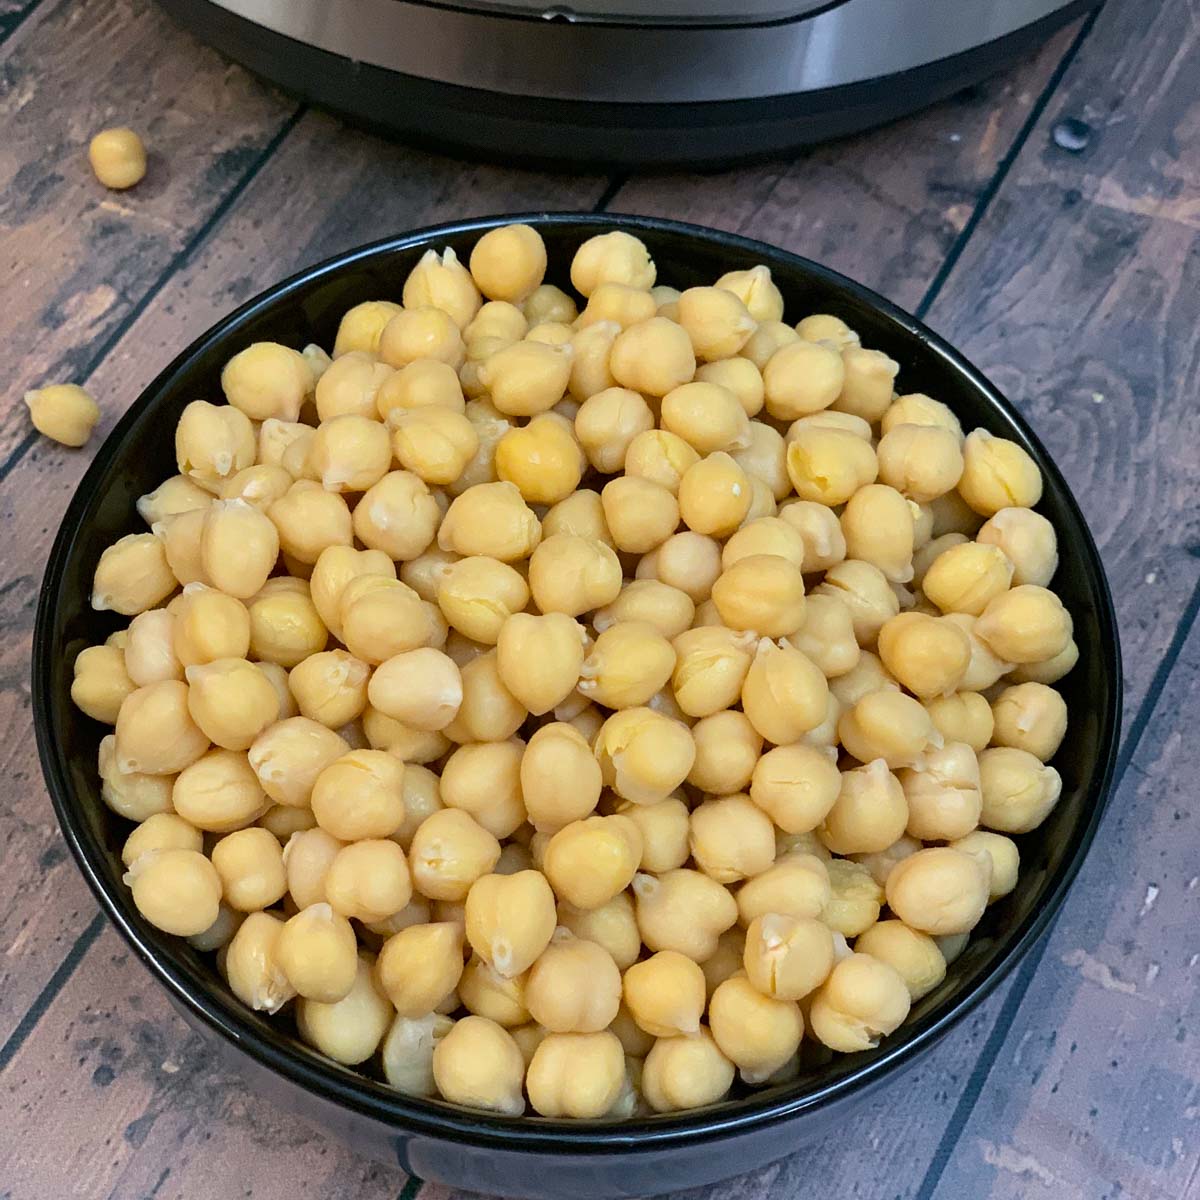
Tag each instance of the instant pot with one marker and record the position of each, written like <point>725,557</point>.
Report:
<point>632,82</point>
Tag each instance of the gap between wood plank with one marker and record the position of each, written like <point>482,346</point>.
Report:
<point>1004,166</point>
<point>1012,1004</point>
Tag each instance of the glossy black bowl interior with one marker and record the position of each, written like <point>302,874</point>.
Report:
<point>139,454</point>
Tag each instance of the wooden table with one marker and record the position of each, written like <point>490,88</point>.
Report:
<point>1072,276</point>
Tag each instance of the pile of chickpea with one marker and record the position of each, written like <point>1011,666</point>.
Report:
<point>545,704</point>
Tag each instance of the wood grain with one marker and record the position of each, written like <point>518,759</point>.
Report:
<point>77,259</point>
<point>884,207</point>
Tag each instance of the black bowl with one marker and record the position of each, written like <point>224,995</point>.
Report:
<point>531,1156</point>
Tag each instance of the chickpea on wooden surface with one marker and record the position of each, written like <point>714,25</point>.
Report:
<point>572,703</point>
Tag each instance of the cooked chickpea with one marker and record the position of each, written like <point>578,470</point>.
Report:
<point>129,794</point>
<point>962,717</point>
<point>155,732</point>
<point>944,799</point>
<point>509,263</point>
<point>577,1075</point>
<point>711,665</point>
<point>449,852</point>
<point>63,412</point>
<point>869,814</point>
<point>510,920</point>
<point>652,357</point>
<point>639,514</point>
<point>827,635</point>
<point>916,408</point>
<point>714,495</point>
<point>1025,625</point>
<point>784,693</point>
<point>727,752</point>
<point>360,795</point>
<point>176,890</point>
<point>252,969</point>
<point>173,496</point>
<point>349,1030</point>
<point>369,880</point>
<point>688,561</point>
<point>1004,855</point>
<point>743,380</point>
<point>829,465</point>
<point>477,595</point>
<point>770,336</point>
<point>117,157</point>
<point>542,459</point>
<point>878,526</point>
<point>997,474</point>
<point>539,658</point>
<point>213,442</point>
<point>683,910</point>
<point>824,327</point>
<point>351,386</point>
<point>966,577</point>
<point>407,1052</point>
<point>334,569</point>
<point>232,701</point>
<point>483,779</point>
<point>865,591</point>
<point>361,326</point>
<point>398,515</point>
<point>651,602</point>
<point>484,993</point>
<point>787,957</point>
<point>102,682</point>
<point>1049,671</point>
<point>318,953</point>
<point>855,898</point>
<point>1019,790</point>
<point>133,575</point>
<point>866,676</point>
<point>756,1032</point>
<point>628,663</point>
<point>548,303</point>
<point>267,380</point>
<point>526,378</point>
<point>219,792</point>
<point>643,755</point>
<point>478,1064</point>
<point>796,885</point>
<point>330,687</point>
<point>922,461</point>
<point>687,1071</point>
<point>250,865</point>
<point>418,967</point>
<point>661,457</point>
<point>863,1000</point>
<point>940,890</point>
<point>914,956</point>
<point>559,777</point>
<point>402,741</point>
<point>665,994</point>
<point>820,531</point>
<point>490,519</point>
<point>889,725</point>
<point>619,303</point>
<point>589,861</point>
<point>1027,716</point>
<point>800,378</point>
<point>441,281</point>
<point>612,925</point>
<point>573,575</point>
<point>574,986</point>
<point>731,838</point>
<point>717,321</point>
<point>421,688</point>
<point>928,655</point>
<point>161,831</point>
<point>756,290</point>
<point>1028,541</point>
<point>615,257</point>
<point>796,786</point>
<point>282,820</point>
<point>423,383</point>
<point>763,593</point>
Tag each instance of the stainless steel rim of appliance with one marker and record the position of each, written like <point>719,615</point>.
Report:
<point>638,63</point>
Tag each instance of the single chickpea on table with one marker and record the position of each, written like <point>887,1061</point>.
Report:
<point>589,700</point>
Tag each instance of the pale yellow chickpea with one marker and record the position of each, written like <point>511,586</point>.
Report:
<point>687,1071</point>
<point>612,925</point>
<point>220,933</point>
<point>731,838</point>
<point>928,655</point>
<point>640,515</point>
<point>477,596</point>
<point>796,786</point>
<point>361,326</point>
<point>283,820</point>
<point>527,377</point>
<point>763,593</point>
<point>868,675</point>
<point>131,795</point>
<point>238,547</point>
<point>607,423</point>
<point>928,554</point>
<point>619,303</point>
<point>863,1000</point>
<point>914,956</point>
<point>714,495</point>
<point>824,327</point>
<point>1027,716</point>
<point>683,910</point>
<point>878,526</point>
<point>1049,671</point>
<point>490,519</point>
<point>628,663</point>
<point>509,263</point>
<point>717,321</point>
<point>335,568</point>
<point>285,627</point>
<point>553,333</point>
<point>818,526</point>
<point>483,779</point>
<point>867,389</point>
<point>643,755</point>
<point>369,880</point>
<point>173,496</point>
<point>250,864</point>
<point>665,994</point>
<point>543,459</point>
<point>407,1053</point>
<point>664,828</point>
<point>382,617</point>
<point>940,890</point>
<point>1028,541</point>
<point>402,741</point>
<point>800,378</point>
<point>787,957</point>
<point>155,732</point>
<point>351,385</point>
<point>827,635</point>
<point>423,383</point>
<point>962,717</point>
<point>984,668</point>
<point>539,658</point>
<point>418,967</point>
<point>579,1075</point>
<point>711,665</point>
<point>63,412</point>
<point>770,336</point>
<point>652,357</point>
<point>330,687</point>
<point>784,694</point>
<point>549,303</point>
<point>865,591</point>
<point>829,465</point>
<point>944,799</point>
<point>360,795</point>
<point>740,377</point>
<point>796,885</point>
<point>889,725</point>
<point>177,891</point>
<point>997,473</point>
<point>1004,855</point>
<point>441,281</point>
<point>449,852</point>
<point>855,898</point>
<point>489,712</point>
<point>422,797</point>
<point>573,575</point>
<point>667,608</point>
<point>422,688</point>
<point>758,1033</point>
<point>213,442</point>
<point>689,561</point>
<point>727,752</point>
<point>251,967</point>
<point>589,861</point>
<point>827,418</point>
<point>615,257</point>
<point>922,461</point>
<point>260,485</point>
<point>590,351</point>
<point>967,577</point>
<point>102,682</point>
<point>559,777</point>
<point>1027,624</point>
<point>916,408</point>
<point>398,515</point>
<point>870,813</point>
<point>661,457</point>
<point>117,157</point>
<point>133,575</point>
<point>309,519</point>
<point>317,951</point>
<point>574,986</point>
<point>484,993</point>
<point>756,290</point>
<point>161,831</point>
<point>510,920</point>
<point>479,1065</point>
<point>267,380</point>
<point>1019,790</point>
<point>349,1030</point>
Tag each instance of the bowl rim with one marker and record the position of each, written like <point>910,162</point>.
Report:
<point>282,1055</point>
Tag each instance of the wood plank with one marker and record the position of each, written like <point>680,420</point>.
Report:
<point>1096,1092</point>
<point>883,207</point>
<point>369,189</point>
<point>81,258</point>
<point>114,1095</point>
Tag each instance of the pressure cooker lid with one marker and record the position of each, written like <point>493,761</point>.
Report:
<point>645,12</point>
